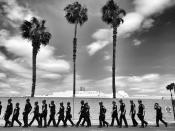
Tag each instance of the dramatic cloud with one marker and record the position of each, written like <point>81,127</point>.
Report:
<point>133,21</point>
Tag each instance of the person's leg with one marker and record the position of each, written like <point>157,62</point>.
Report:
<point>17,120</point>
<point>12,121</point>
<point>165,123</point>
<point>34,117</point>
<point>71,121</point>
<point>125,121</point>
<point>48,124</point>
<point>112,121</point>
<point>80,118</point>
<point>120,120</point>
<point>45,120</point>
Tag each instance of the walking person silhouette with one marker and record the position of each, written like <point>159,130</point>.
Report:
<point>132,113</point>
<point>114,114</point>
<point>102,121</point>
<point>36,115</point>
<point>122,113</point>
<point>26,112</point>
<point>68,115</point>
<point>141,114</point>
<point>61,115</point>
<point>16,115</point>
<point>52,114</point>
<point>8,113</point>
<point>159,115</point>
<point>43,115</point>
<point>82,113</point>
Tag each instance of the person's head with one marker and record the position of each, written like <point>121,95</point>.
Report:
<point>68,103</point>
<point>17,104</point>
<point>156,104</point>
<point>52,102</point>
<point>27,100</point>
<point>140,101</point>
<point>121,101</point>
<point>113,102</point>
<point>82,102</point>
<point>61,103</point>
<point>100,103</point>
<point>131,101</point>
<point>44,101</point>
<point>9,100</point>
<point>36,102</point>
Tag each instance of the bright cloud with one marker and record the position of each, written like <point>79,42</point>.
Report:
<point>133,21</point>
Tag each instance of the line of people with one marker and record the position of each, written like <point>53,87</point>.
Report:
<point>84,116</point>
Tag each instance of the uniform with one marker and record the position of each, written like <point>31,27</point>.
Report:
<point>43,115</point>
<point>8,113</point>
<point>61,115</point>
<point>141,115</point>
<point>82,113</point>
<point>122,114</point>
<point>159,116</point>
<point>15,116</point>
<point>87,115</point>
<point>102,121</point>
<point>114,115</point>
<point>36,115</point>
<point>68,115</point>
<point>132,113</point>
<point>26,112</point>
<point>52,114</point>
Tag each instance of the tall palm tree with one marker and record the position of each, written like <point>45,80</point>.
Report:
<point>170,87</point>
<point>75,14</point>
<point>35,31</point>
<point>112,15</point>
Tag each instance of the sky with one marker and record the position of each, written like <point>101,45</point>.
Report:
<point>145,61</point>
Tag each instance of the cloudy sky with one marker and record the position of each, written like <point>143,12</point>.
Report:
<point>145,60</point>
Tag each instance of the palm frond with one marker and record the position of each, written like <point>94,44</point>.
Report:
<point>25,29</point>
<point>111,13</point>
<point>45,37</point>
<point>76,13</point>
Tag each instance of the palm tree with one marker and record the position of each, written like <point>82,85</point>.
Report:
<point>170,87</point>
<point>75,14</point>
<point>35,31</point>
<point>112,15</point>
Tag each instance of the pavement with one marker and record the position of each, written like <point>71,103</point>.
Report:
<point>93,128</point>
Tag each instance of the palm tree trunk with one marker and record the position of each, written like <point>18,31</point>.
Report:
<point>34,53</point>
<point>74,59</point>
<point>172,104</point>
<point>113,63</point>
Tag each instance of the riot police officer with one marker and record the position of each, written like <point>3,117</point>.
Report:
<point>61,114</point>
<point>82,113</point>
<point>16,115</point>
<point>141,114</point>
<point>52,113</point>
<point>159,115</point>
<point>8,113</point>
<point>87,115</point>
<point>36,115</point>
<point>43,115</point>
<point>26,112</point>
<point>122,113</point>
<point>114,114</point>
<point>68,115</point>
<point>102,121</point>
<point>132,113</point>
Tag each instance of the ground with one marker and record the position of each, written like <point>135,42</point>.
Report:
<point>93,128</point>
